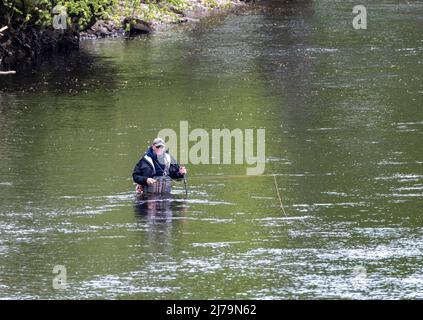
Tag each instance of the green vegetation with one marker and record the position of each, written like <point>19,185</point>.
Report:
<point>83,13</point>
<point>149,11</point>
<point>39,13</point>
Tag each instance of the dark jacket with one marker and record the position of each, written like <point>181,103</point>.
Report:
<point>147,167</point>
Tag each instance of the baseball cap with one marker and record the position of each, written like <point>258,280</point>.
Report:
<point>158,142</point>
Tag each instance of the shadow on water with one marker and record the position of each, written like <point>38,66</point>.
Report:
<point>71,73</point>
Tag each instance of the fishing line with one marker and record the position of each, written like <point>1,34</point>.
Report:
<point>279,196</point>
<point>246,176</point>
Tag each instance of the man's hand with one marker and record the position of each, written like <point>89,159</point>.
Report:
<point>182,170</point>
<point>150,181</point>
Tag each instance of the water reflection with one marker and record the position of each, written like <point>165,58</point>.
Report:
<point>160,207</point>
<point>162,217</point>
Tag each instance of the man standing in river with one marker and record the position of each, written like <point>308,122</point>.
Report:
<point>156,162</point>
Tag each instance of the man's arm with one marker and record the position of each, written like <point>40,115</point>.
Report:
<point>141,174</point>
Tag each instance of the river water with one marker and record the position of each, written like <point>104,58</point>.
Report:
<point>344,130</point>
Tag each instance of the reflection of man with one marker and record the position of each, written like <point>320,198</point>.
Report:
<point>154,205</point>
<point>156,162</point>
<point>159,205</point>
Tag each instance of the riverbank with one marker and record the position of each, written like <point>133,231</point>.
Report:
<point>30,36</point>
<point>147,18</point>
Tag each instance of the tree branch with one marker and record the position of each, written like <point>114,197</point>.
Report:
<point>3,29</point>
